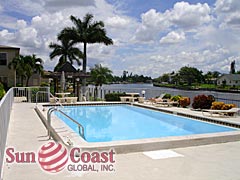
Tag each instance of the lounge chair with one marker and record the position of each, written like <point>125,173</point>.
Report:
<point>230,112</point>
<point>158,99</point>
<point>166,103</point>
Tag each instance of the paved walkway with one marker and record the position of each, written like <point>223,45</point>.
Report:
<point>219,161</point>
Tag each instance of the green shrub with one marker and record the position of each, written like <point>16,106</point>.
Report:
<point>2,91</point>
<point>19,85</point>
<point>44,84</point>
<point>114,96</point>
<point>91,98</point>
<point>203,102</point>
<point>167,96</point>
<point>176,98</point>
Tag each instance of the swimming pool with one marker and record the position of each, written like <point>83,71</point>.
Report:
<point>125,122</point>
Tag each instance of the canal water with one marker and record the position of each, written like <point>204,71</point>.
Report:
<point>152,91</point>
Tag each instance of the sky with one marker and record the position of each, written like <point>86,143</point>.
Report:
<point>150,37</point>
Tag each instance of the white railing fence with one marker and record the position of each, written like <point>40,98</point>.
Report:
<point>5,111</point>
<point>29,94</point>
<point>17,94</point>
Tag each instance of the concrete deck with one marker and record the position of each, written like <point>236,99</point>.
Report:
<point>27,133</point>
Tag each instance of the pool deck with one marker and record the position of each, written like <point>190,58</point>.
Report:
<point>217,161</point>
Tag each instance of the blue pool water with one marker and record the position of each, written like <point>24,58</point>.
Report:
<point>125,122</point>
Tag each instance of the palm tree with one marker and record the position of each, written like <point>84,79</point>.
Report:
<point>25,66</point>
<point>18,65</point>
<point>87,32</point>
<point>100,75</point>
<point>66,51</point>
<point>32,65</point>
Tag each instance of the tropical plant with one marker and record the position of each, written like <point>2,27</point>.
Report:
<point>87,32</point>
<point>217,105</point>
<point>176,98</point>
<point>222,106</point>
<point>167,96</point>
<point>2,91</point>
<point>26,66</point>
<point>184,101</point>
<point>100,75</point>
<point>32,65</point>
<point>66,51</point>
<point>228,106</point>
<point>18,65</point>
<point>203,102</point>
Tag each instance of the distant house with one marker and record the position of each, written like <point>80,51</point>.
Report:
<point>7,76</point>
<point>229,79</point>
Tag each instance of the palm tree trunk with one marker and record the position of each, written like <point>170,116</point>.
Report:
<point>27,81</point>
<point>84,81</point>
<point>85,57</point>
<point>22,81</point>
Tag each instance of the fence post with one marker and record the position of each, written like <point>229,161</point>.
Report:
<point>48,90</point>
<point>29,95</point>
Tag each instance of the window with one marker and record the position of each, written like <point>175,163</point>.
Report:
<point>3,59</point>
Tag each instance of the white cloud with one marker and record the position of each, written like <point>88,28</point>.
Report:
<point>173,37</point>
<point>227,6</point>
<point>26,7</point>
<point>1,8</point>
<point>152,18</point>
<point>56,4</point>
<point>232,20</point>
<point>29,37</point>
<point>6,37</point>
<point>50,24</point>
<point>228,12</point>
<point>183,15</point>
<point>139,46</point>
<point>36,35</point>
<point>21,24</point>
<point>153,23</point>
<point>63,3</point>
<point>117,21</point>
<point>189,15</point>
<point>218,59</point>
<point>7,21</point>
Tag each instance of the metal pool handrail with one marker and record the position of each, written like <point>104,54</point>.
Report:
<point>50,94</point>
<point>80,127</point>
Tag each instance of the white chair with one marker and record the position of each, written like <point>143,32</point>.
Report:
<point>229,112</point>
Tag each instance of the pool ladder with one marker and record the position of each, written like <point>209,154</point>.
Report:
<point>51,110</point>
<point>50,95</point>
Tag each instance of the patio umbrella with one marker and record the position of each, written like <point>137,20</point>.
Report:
<point>63,81</point>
